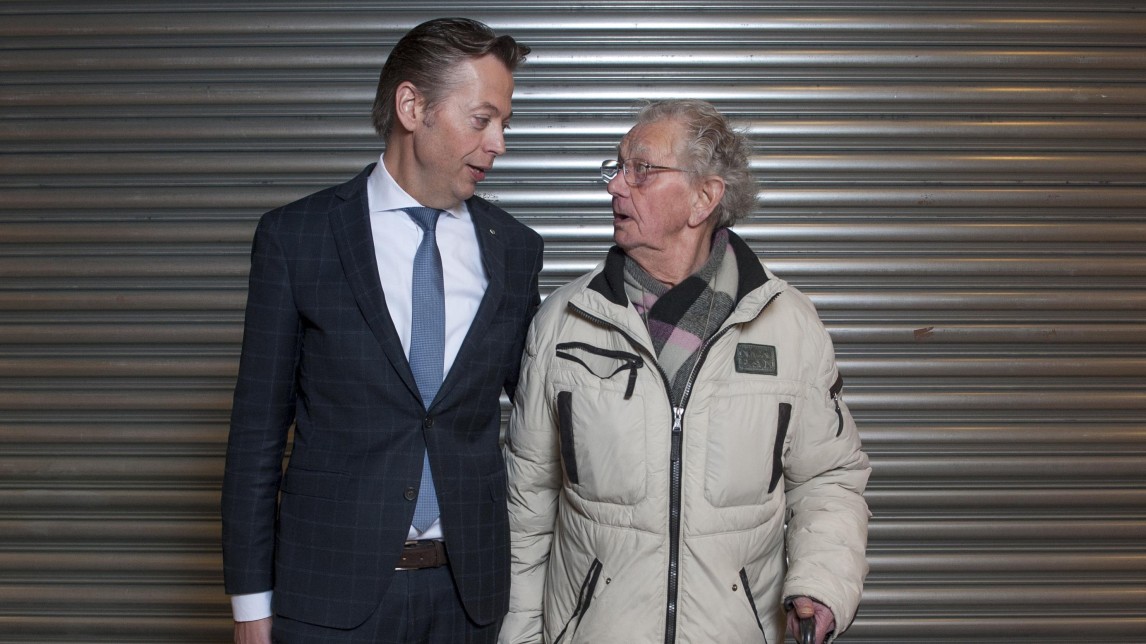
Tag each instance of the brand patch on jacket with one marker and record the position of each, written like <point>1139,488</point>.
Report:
<point>756,358</point>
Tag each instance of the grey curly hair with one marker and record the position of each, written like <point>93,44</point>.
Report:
<point>713,148</point>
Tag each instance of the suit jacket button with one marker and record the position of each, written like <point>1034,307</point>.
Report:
<point>428,422</point>
<point>410,494</point>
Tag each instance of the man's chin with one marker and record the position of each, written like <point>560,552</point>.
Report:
<point>465,191</point>
<point>621,240</point>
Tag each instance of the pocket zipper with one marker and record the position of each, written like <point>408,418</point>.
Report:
<point>584,597</point>
<point>785,416</point>
<point>629,361</point>
<point>752,602</point>
<point>834,392</point>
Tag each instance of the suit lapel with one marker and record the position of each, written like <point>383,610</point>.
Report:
<point>492,249</point>
<point>350,224</point>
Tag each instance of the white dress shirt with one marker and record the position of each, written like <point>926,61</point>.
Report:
<point>396,239</point>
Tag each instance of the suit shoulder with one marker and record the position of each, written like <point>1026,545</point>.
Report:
<point>317,203</point>
<point>313,204</point>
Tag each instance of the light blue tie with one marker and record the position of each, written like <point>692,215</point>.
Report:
<point>427,342</point>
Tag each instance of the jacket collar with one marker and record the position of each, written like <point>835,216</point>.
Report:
<point>610,282</point>
<point>491,236</point>
<point>350,223</point>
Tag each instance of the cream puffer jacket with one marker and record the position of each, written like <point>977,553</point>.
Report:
<point>635,522</point>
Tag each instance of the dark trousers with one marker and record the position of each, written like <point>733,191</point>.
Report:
<point>420,607</point>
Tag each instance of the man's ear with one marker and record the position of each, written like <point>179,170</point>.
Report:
<point>409,105</point>
<point>705,199</point>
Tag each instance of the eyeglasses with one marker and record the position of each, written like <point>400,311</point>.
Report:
<point>636,171</point>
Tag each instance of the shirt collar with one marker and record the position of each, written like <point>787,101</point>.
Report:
<point>385,195</point>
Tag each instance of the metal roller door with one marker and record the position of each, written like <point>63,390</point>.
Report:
<point>959,185</point>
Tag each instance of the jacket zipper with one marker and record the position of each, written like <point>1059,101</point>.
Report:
<point>676,467</point>
<point>675,460</point>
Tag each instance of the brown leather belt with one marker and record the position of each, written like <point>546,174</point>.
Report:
<point>427,553</point>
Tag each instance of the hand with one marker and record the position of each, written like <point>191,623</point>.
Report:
<point>256,632</point>
<point>802,608</point>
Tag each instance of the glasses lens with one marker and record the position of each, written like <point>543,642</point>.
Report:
<point>638,170</point>
<point>609,170</point>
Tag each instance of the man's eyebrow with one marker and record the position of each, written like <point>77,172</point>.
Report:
<point>486,105</point>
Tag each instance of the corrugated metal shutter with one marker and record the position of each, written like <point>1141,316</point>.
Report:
<point>960,186</point>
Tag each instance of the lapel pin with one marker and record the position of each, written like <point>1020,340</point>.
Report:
<point>491,231</point>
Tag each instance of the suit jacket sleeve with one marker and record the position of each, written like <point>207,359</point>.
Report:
<point>515,372</point>
<point>261,416</point>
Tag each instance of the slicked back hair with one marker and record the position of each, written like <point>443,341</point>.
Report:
<point>712,147</point>
<point>427,57</point>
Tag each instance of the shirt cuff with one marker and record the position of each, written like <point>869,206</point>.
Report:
<point>248,608</point>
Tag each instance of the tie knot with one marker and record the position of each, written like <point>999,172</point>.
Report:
<point>427,218</point>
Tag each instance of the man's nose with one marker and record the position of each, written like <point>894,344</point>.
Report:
<point>617,186</point>
<point>495,142</point>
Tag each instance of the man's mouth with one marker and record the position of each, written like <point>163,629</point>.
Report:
<point>477,172</point>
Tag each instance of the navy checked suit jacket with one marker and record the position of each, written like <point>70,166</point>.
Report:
<point>320,351</point>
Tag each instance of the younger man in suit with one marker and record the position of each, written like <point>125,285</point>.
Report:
<point>384,318</point>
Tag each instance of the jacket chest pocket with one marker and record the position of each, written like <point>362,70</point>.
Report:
<point>601,422</point>
<point>745,451</point>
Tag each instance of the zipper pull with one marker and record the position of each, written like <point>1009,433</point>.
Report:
<point>835,391</point>
<point>633,366</point>
<point>677,427</point>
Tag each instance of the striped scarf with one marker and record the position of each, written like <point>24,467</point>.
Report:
<point>682,318</point>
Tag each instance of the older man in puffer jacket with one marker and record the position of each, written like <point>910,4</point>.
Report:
<point>682,467</point>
